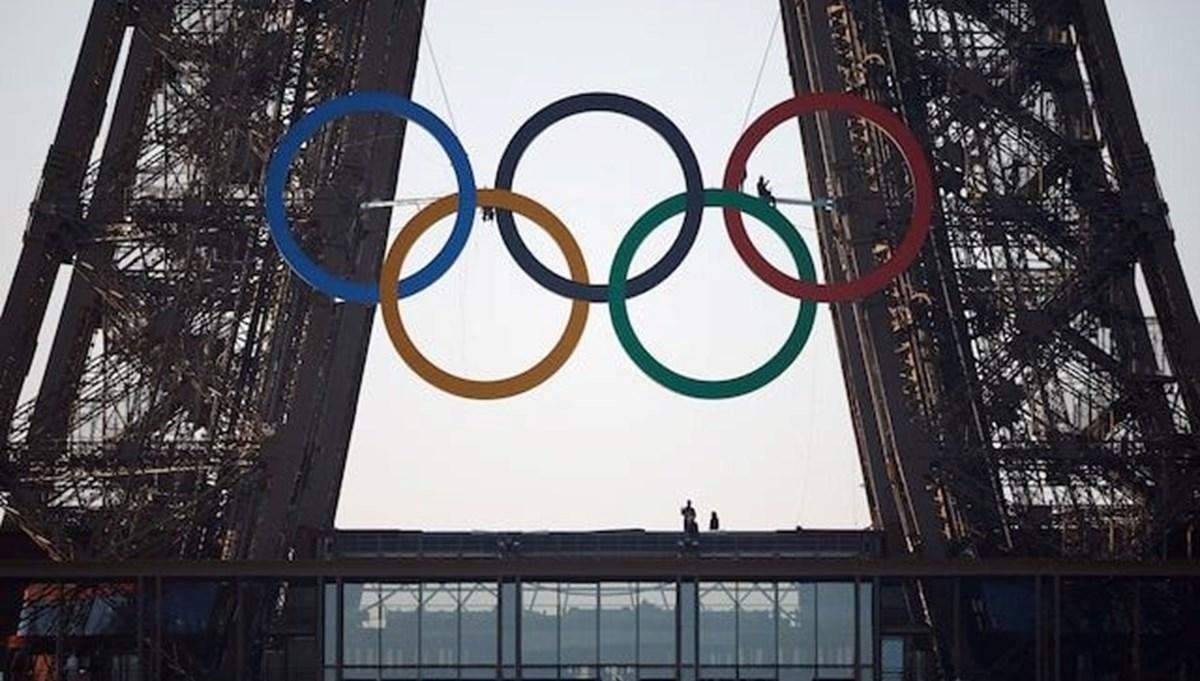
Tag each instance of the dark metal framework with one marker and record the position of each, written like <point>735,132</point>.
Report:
<point>198,400</point>
<point>1010,394</point>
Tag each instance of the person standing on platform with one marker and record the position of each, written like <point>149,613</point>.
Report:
<point>689,518</point>
<point>714,523</point>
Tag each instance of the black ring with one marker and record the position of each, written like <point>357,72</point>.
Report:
<point>656,121</point>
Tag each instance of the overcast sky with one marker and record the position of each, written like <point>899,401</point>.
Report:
<point>600,445</point>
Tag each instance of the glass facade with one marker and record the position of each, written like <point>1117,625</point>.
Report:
<point>598,630</point>
<point>337,624</point>
<point>409,631</point>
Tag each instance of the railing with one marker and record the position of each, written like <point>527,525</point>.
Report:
<point>789,543</point>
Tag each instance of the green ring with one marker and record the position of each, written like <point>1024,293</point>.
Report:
<point>685,385</point>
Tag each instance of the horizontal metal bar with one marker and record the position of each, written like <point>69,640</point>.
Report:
<point>826,204</point>
<point>690,566</point>
<point>392,203</point>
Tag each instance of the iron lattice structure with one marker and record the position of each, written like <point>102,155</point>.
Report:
<point>1012,394</point>
<point>198,399</point>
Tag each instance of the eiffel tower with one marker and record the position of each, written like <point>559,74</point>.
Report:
<point>1028,389</point>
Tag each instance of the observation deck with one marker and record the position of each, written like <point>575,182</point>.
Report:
<point>624,543</point>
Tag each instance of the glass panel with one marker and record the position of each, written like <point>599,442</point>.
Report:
<point>656,624</point>
<point>796,673</point>
<point>711,673</point>
<point>866,615</point>
<point>718,623</point>
<point>478,624</point>
<point>617,673</point>
<point>91,626</point>
<point>362,619</point>
<point>124,666</point>
<point>579,672</point>
<point>835,623</point>
<point>998,620</point>
<point>439,624</point>
<point>539,624</point>
<point>797,623</point>
<point>756,624</point>
<point>891,659</point>
<point>656,673</point>
<point>398,638</point>
<point>185,610</point>
<point>687,626</point>
<point>331,618</point>
<point>296,639</point>
<point>508,624</point>
<point>618,625</point>
<point>1097,636</point>
<point>1167,614</point>
<point>579,623</point>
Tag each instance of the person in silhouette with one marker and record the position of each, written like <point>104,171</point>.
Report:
<point>689,518</point>
<point>764,191</point>
<point>714,523</point>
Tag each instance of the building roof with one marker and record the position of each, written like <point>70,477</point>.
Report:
<point>609,543</point>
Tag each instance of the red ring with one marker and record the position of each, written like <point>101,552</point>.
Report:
<point>918,169</point>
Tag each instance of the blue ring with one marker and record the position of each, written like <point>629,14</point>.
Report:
<point>285,153</point>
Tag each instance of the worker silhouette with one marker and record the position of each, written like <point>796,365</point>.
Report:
<point>714,523</point>
<point>488,212</point>
<point>764,191</point>
<point>689,518</point>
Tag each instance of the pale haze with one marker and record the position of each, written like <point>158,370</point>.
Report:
<point>600,445</point>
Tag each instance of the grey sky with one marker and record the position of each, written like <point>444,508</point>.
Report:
<point>600,445</point>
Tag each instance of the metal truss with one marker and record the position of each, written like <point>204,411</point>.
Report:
<point>1028,396</point>
<point>197,399</point>
<point>1011,393</point>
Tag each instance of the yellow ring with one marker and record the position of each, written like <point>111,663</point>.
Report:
<point>463,387</point>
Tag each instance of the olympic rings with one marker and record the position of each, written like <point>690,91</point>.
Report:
<point>619,288</point>
<point>482,390</point>
<point>277,173</point>
<point>918,169</point>
<point>679,383</point>
<point>656,121</point>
